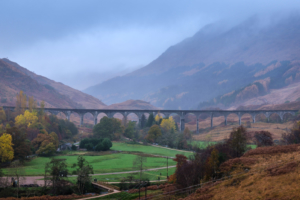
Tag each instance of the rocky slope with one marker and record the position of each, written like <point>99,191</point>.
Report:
<point>214,62</point>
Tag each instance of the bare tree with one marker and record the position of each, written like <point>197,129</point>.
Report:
<point>18,173</point>
<point>139,164</point>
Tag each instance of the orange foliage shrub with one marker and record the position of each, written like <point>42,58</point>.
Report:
<point>229,164</point>
<point>287,168</point>
<point>201,193</point>
<point>272,150</point>
<point>169,189</point>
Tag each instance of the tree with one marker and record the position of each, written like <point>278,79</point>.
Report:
<point>158,118</point>
<point>21,144</point>
<point>6,149</point>
<point>139,163</point>
<point>238,140</point>
<point>74,148</point>
<point>54,140</point>
<point>187,133</point>
<point>150,120</point>
<point>18,172</point>
<point>83,171</point>
<point>263,138</point>
<point>154,133</point>
<point>212,165</point>
<point>56,170</point>
<point>168,124</point>
<point>106,144</point>
<point>99,147</point>
<point>130,130</point>
<point>45,144</point>
<point>21,101</point>
<point>2,115</point>
<point>143,121</point>
<point>107,128</point>
<point>46,149</point>
<point>89,147</point>
<point>31,104</point>
<point>28,119</point>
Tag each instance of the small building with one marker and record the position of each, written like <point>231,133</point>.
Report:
<point>66,146</point>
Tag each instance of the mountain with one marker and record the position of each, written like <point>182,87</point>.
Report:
<point>15,78</point>
<point>133,104</point>
<point>214,62</point>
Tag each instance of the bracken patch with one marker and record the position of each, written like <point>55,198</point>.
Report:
<point>273,150</point>
<point>287,168</point>
<point>229,164</point>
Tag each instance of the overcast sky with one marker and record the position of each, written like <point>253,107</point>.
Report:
<point>82,43</point>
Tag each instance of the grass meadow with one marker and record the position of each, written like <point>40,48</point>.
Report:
<point>117,162</point>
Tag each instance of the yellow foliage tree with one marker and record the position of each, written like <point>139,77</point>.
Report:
<point>2,115</point>
<point>28,119</point>
<point>21,102</point>
<point>168,124</point>
<point>54,139</point>
<point>158,117</point>
<point>6,149</point>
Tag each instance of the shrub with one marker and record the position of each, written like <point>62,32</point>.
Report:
<point>89,147</point>
<point>106,144</point>
<point>74,148</point>
<point>99,147</point>
<point>263,138</point>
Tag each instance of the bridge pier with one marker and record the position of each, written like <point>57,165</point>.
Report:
<point>81,119</point>
<point>197,122</point>
<point>182,124</point>
<point>253,119</point>
<point>240,120</point>
<point>225,119</point>
<point>211,120</point>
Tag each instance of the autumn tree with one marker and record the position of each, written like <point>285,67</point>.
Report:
<point>45,144</point>
<point>83,171</point>
<point>21,103</point>
<point>212,164</point>
<point>2,115</point>
<point>6,149</point>
<point>154,133</point>
<point>28,119</point>
<point>168,124</point>
<point>263,138</point>
<point>238,140</point>
<point>21,144</point>
<point>158,118</point>
<point>32,105</point>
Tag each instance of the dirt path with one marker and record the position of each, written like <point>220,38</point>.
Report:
<point>36,179</point>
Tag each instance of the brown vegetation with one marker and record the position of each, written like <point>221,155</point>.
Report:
<point>47,197</point>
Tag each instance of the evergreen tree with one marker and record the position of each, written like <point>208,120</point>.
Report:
<point>150,120</point>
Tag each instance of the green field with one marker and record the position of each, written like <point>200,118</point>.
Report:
<point>117,162</point>
<point>118,146</point>
<point>151,175</point>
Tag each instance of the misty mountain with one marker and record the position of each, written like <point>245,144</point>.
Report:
<point>15,78</point>
<point>214,62</point>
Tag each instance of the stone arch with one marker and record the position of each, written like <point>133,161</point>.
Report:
<point>232,118</point>
<point>191,121</point>
<point>246,119</point>
<point>287,116</point>
<point>132,116</point>
<point>61,115</point>
<point>75,117</point>
<point>100,116</point>
<point>274,117</point>
<point>260,117</point>
<point>118,115</point>
<point>88,118</point>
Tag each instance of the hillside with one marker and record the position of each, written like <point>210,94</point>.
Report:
<point>13,80</point>
<point>83,100</point>
<point>254,174</point>
<point>213,62</point>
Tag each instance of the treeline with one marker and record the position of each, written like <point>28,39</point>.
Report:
<point>30,131</point>
<point>206,164</point>
<point>163,131</point>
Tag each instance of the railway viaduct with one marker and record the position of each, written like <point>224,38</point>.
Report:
<point>181,113</point>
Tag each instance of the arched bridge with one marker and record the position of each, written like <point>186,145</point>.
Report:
<point>181,113</point>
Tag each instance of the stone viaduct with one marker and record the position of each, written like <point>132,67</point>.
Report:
<point>181,113</point>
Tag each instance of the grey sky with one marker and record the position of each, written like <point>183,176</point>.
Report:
<point>82,43</point>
